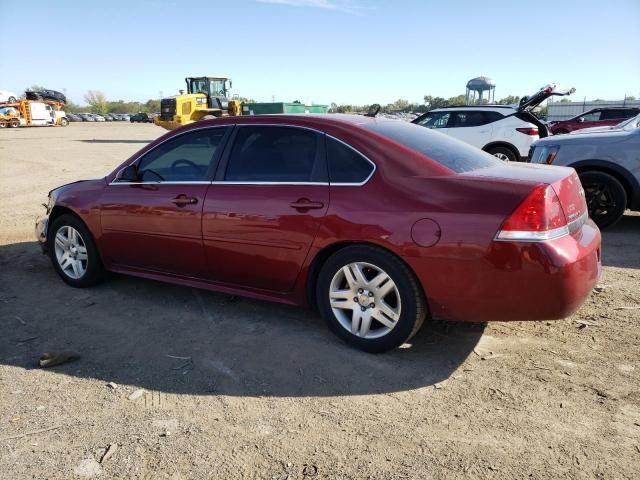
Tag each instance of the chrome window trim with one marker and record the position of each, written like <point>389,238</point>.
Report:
<point>222,182</point>
<point>177,182</point>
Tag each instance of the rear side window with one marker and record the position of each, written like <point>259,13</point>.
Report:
<point>275,154</point>
<point>473,118</point>
<point>447,151</point>
<point>617,114</point>
<point>345,164</point>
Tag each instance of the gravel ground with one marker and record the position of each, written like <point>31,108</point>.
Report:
<point>235,388</point>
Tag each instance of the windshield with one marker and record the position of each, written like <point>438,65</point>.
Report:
<point>629,124</point>
<point>202,85</point>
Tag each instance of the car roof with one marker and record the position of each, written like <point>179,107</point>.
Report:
<point>309,120</point>
<point>474,107</point>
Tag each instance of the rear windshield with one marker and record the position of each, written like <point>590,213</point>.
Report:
<point>451,153</point>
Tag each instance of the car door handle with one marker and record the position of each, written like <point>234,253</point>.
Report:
<point>182,200</point>
<point>304,204</point>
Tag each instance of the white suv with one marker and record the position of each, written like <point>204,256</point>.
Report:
<point>504,131</point>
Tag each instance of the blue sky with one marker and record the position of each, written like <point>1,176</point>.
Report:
<point>345,51</point>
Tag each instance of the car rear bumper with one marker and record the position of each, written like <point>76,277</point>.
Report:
<point>514,280</point>
<point>41,227</point>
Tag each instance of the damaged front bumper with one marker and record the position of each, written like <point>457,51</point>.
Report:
<point>42,225</point>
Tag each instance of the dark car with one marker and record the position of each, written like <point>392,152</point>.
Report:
<point>140,118</point>
<point>379,223</point>
<point>45,94</point>
<point>597,117</point>
<point>608,164</point>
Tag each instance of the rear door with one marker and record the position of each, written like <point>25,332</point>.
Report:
<point>265,206</point>
<point>472,126</point>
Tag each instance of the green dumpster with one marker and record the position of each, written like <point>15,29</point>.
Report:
<point>281,107</point>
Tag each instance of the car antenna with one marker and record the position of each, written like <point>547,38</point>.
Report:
<point>373,110</point>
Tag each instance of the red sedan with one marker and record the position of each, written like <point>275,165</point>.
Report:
<point>379,223</point>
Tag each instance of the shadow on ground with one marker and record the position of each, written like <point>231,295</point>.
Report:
<point>97,140</point>
<point>174,339</point>
<point>621,243</point>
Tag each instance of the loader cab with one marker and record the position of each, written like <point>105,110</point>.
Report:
<point>215,88</point>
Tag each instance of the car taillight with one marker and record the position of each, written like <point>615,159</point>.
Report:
<point>539,217</point>
<point>528,130</point>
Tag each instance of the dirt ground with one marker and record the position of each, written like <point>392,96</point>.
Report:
<point>237,388</point>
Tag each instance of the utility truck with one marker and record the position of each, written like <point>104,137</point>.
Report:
<point>31,113</point>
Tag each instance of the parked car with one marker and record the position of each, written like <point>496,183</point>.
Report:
<point>98,118</point>
<point>596,117</point>
<point>607,163</point>
<point>73,117</point>
<point>140,118</point>
<point>628,123</point>
<point>46,94</point>
<point>377,222</point>
<point>7,96</point>
<point>504,131</point>
<point>87,117</point>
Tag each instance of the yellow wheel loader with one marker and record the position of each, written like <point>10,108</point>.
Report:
<point>206,97</point>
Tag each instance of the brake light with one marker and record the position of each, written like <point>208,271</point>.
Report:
<point>539,217</point>
<point>528,130</point>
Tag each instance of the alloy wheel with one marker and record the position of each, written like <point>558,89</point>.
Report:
<point>600,201</point>
<point>71,252</point>
<point>365,300</point>
<point>501,156</point>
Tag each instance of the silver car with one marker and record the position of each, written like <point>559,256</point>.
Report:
<point>607,162</point>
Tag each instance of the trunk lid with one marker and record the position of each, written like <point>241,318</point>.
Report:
<point>528,103</point>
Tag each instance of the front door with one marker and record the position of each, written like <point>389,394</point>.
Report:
<point>155,222</point>
<point>263,211</point>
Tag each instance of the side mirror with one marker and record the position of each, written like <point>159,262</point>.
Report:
<point>580,120</point>
<point>128,174</point>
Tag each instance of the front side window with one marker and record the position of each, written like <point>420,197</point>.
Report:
<point>186,158</point>
<point>592,117</point>
<point>435,120</point>
<point>345,164</point>
<point>275,154</point>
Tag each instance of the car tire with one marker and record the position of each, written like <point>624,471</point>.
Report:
<point>503,153</point>
<point>11,99</point>
<point>14,123</point>
<point>606,197</point>
<point>3,124</point>
<point>383,316</point>
<point>73,252</point>
<point>64,122</point>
